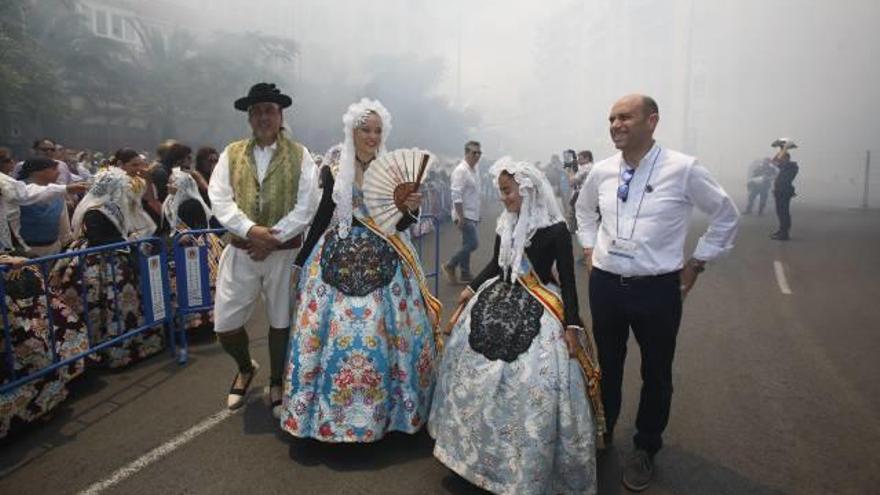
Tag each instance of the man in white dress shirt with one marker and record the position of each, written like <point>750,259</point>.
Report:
<point>263,190</point>
<point>465,191</point>
<point>639,275</point>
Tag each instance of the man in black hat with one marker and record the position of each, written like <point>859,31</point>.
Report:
<point>263,190</point>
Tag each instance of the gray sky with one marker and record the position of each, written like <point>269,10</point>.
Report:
<point>541,75</point>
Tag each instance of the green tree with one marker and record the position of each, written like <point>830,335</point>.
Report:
<point>53,69</point>
<point>28,85</point>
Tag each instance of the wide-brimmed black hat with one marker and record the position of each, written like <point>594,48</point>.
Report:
<point>261,93</point>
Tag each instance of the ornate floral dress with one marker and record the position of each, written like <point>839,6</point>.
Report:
<point>511,412</point>
<point>361,356</point>
<point>100,271</point>
<point>28,303</point>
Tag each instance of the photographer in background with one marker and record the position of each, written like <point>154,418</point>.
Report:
<point>569,167</point>
<point>578,174</point>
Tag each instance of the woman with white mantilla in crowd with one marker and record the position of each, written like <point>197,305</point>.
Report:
<point>112,278</point>
<point>184,209</point>
<point>140,223</point>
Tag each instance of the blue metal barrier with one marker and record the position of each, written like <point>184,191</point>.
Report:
<point>435,274</point>
<point>203,300</point>
<point>155,259</point>
<point>169,316</point>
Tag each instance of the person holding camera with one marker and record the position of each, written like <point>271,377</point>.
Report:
<point>783,191</point>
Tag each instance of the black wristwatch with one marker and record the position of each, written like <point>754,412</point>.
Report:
<point>699,266</point>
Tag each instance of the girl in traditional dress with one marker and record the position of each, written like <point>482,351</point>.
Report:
<point>28,303</point>
<point>184,210</point>
<point>172,155</point>
<point>361,358</point>
<point>510,411</point>
<point>98,220</point>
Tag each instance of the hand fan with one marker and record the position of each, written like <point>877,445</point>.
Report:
<point>389,180</point>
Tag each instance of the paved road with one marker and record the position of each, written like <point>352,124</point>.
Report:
<point>774,393</point>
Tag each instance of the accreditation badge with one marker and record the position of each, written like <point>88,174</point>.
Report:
<point>623,248</point>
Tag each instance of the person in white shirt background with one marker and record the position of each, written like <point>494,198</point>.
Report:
<point>585,164</point>
<point>644,196</point>
<point>45,147</point>
<point>68,157</point>
<point>577,175</point>
<point>264,191</point>
<point>465,190</point>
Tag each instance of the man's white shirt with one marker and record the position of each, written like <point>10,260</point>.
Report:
<point>230,215</point>
<point>654,220</point>
<point>465,189</point>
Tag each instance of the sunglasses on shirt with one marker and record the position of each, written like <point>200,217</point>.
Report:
<point>623,189</point>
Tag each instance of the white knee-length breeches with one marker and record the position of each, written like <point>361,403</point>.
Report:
<point>241,279</point>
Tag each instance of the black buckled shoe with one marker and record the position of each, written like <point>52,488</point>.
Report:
<point>236,396</point>
<point>276,404</point>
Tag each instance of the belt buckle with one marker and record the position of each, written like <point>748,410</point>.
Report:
<point>623,281</point>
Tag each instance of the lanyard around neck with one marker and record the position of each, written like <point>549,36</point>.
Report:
<point>641,199</point>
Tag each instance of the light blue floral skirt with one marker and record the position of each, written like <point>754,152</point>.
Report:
<point>513,424</point>
<point>358,366</point>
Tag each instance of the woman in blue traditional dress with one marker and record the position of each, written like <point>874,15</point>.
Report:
<point>361,355</point>
<point>511,411</point>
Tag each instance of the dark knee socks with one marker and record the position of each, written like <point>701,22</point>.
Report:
<point>235,343</point>
<point>278,338</point>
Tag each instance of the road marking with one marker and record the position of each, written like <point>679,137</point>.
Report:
<point>780,277</point>
<point>159,452</point>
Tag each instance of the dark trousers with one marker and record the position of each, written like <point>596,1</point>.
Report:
<point>651,307</point>
<point>783,211</point>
